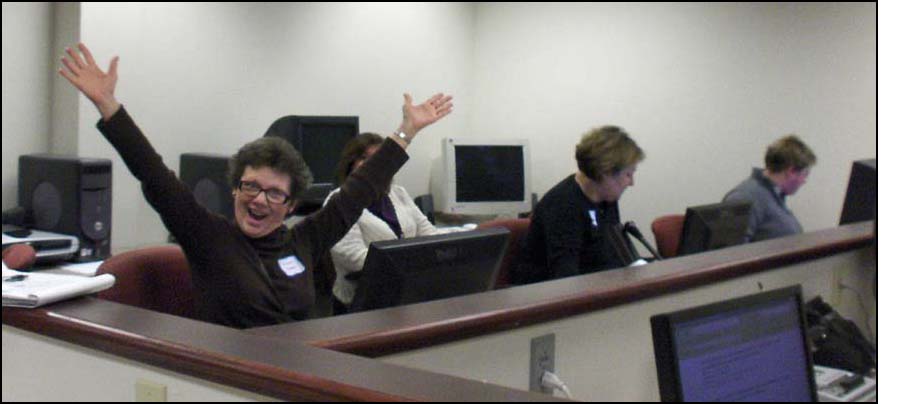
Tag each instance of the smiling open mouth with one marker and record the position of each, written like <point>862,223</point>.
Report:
<point>256,215</point>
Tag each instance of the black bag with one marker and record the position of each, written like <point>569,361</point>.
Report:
<point>835,341</point>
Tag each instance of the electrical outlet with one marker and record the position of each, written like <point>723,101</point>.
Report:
<point>543,357</point>
<point>147,392</point>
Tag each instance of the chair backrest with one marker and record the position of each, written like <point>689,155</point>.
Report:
<point>154,278</point>
<point>518,229</point>
<point>667,232</point>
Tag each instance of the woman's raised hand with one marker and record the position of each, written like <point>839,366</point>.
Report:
<point>86,76</point>
<point>416,117</point>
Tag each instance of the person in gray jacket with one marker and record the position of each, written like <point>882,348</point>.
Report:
<point>788,163</point>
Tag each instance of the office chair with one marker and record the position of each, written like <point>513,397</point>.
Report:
<point>667,232</point>
<point>154,278</point>
<point>518,229</point>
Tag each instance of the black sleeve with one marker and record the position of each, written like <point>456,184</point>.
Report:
<point>325,228</point>
<point>563,232</point>
<point>173,200</point>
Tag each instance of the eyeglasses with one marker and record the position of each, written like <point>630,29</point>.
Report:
<point>273,195</point>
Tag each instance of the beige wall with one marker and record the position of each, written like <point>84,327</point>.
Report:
<point>211,77</point>
<point>27,31</point>
<point>38,368</point>
<point>702,87</point>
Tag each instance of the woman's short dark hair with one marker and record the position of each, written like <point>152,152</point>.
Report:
<point>789,152</point>
<point>606,151</point>
<point>354,150</point>
<point>274,153</point>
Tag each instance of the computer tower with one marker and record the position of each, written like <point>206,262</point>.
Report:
<point>861,199</point>
<point>69,195</point>
<point>207,176</point>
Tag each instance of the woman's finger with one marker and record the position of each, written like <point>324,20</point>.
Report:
<point>87,54</point>
<point>73,70</point>
<point>68,76</point>
<point>114,67</point>
<point>76,58</point>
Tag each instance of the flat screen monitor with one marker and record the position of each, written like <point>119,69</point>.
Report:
<point>405,271</point>
<point>714,226</point>
<point>752,348</point>
<point>861,199</point>
<point>482,177</point>
<point>320,140</point>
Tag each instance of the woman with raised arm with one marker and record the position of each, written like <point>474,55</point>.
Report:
<point>253,270</point>
<point>392,216</point>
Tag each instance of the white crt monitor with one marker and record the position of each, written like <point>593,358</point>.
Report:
<point>482,177</point>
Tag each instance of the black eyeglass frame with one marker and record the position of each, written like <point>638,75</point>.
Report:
<point>255,189</point>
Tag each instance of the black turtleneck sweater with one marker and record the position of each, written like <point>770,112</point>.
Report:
<point>240,281</point>
<point>569,235</point>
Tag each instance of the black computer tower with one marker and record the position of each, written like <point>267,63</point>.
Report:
<point>69,195</point>
<point>207,176</point>
<point>861,199</point>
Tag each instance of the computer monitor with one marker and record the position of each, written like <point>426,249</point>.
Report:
<point>405,271</point>
<point>482,177</point>
<point>718,225</point>
<point>861,199</point>
<point>320,140</point>
<point>752,348</point>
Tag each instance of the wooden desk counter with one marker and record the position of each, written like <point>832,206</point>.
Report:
<point>399,329</point>
<point>288,361</point>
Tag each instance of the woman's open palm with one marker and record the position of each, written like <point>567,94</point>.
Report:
<point>86,76</point>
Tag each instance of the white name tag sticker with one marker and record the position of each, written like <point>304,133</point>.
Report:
<point>291,266</point>
<point>593,215</point>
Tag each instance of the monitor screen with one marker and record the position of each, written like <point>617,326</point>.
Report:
<point>861,199</point>
<point>490,173</point>
<point>320,140</point>
<point>321,143</point>
<point>752,348</point>
<point>482,177</point>
<point>405,271</point>
<point>714,226</point>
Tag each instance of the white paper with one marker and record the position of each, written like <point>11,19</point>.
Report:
<point>71,268</point>
<point>38,289</point>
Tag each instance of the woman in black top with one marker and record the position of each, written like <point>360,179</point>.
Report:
<point>570,227</point>
<point>251,271</point>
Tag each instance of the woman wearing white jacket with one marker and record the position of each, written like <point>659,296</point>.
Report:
<point>391,217</point>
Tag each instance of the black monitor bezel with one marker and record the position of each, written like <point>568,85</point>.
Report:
<point>382,251</point>
<point>663,328</point>
<point>291,128</point>
<point>860,201</point>
<point>693,221</point>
